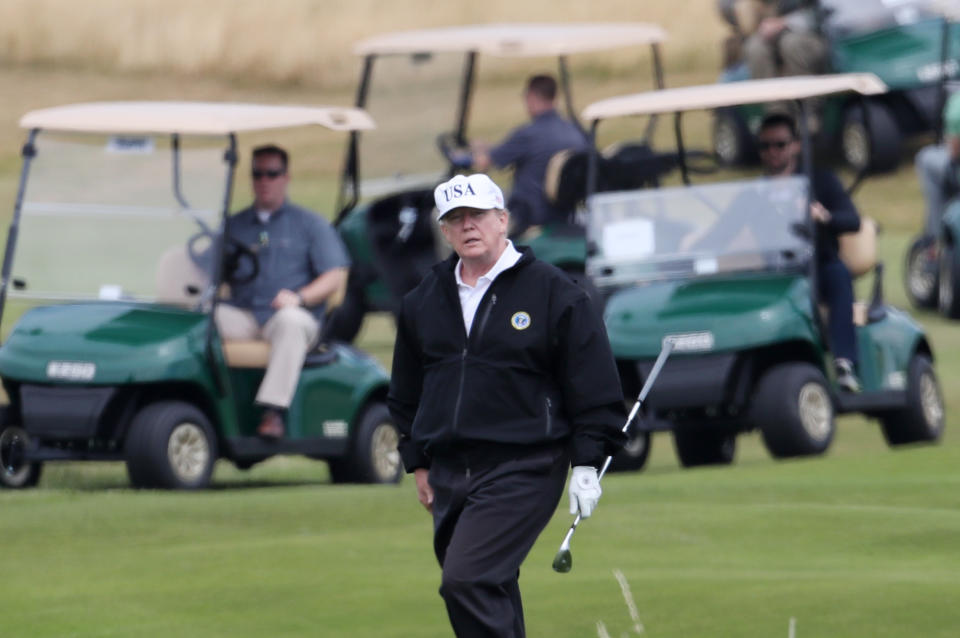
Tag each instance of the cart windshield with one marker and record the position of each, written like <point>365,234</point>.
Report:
<point>698,231</point>
<point>101,219</point>
<point>413,99</point>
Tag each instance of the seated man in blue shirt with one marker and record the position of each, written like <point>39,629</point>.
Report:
<point>302,263</point>
<point>528,150</point>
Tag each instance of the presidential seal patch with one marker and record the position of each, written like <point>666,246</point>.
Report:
<point>520,320</point>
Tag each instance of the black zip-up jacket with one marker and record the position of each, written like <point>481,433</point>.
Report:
<point>844,218</point>
<point>536,367</point>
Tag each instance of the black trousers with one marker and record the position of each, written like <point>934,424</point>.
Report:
<point>490,505</point>
<point>836,290</point>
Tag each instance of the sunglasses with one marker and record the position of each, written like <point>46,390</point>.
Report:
<point>779,145</point>
<point>270,174</point>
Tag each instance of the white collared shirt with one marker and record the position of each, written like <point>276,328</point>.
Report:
<point>470,296</point>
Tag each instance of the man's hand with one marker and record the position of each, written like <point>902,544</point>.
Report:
<point>584,490</point>
<point>284,299</point>
<point>770,28</point>
<point>820,214</point>
<point>424,491</point>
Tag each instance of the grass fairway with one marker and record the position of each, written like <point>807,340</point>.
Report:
<point>859,543</point>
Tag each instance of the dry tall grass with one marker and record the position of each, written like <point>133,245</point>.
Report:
<point>304,42</point>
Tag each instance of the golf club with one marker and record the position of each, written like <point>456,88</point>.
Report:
<point>563,561</point>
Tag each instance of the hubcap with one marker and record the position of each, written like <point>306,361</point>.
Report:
<point>386,458</point>
<point>856,148</point>
<point>188,451</point>
<point>725,141</point>
<point>816,412</point>
<point>930,401</point>
<point>13,441</point>
<point>635,445</point>
<point>920,275</point>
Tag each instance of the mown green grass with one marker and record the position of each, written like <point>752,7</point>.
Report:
<point>858,543</point>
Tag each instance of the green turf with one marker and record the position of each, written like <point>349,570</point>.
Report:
<point>861,542</point>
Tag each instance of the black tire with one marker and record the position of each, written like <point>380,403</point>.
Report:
<point>245,464</point>
<point>15,473</point>
<point>921,273</point>
<point>879,148</point>
<point>373,455</point>
<point>793,410</point>
<point>170,445</point>
<point>732,142</point>
<point>697,446</point>
<point>634,454</point>
<point>948,278</point>
<point>345,321</point>
<point>924,417</point>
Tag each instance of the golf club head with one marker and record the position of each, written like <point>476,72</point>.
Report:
<point>563,561</point>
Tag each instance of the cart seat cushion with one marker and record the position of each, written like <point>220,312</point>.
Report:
<point>247,353</point>
<point>859,250</point>
<point>176,272</point>
<point>255,353</point>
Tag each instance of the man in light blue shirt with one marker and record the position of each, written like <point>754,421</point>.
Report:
<point>302,264</point>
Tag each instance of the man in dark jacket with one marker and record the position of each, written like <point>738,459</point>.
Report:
<point>502,376</point>
<point>834,214</point>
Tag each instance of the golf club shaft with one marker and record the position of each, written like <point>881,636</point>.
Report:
<point>654,372</point>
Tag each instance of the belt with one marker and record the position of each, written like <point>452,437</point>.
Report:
<point>475,454</point>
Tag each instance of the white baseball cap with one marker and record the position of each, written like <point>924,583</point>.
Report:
<point>469,191</point>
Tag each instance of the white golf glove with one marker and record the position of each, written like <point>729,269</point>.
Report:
<point>584,490</point>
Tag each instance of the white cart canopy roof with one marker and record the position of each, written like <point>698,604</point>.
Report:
<point>196,118</point>
<point>516,39</point>
<point>711,96</point>
<point>949,8</point>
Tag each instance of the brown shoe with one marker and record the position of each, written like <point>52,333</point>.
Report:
<point>271,425</point>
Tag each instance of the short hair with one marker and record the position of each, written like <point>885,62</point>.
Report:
<point>272,149</point>
<point>543,85</point>
<point>779,119</point>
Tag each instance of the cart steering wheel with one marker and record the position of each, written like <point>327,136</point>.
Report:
<point>456,155</point>
<point>234,254</point>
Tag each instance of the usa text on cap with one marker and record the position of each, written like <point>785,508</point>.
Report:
<point>462,191</point>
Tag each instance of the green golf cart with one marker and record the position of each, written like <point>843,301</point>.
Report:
<point>909,44</point>
<point>114,265</point>
<point>726,271</point>
<point>423,85</point>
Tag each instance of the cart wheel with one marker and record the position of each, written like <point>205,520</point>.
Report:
<point>634,454</point>
<point>794,411</point>
<point>15,473</point>
<point>374,457</point>
<point>170,446</point>
<point>703,446</point>
<point>877,148</point>
<point>949,277</point>
<point>921,273</point>
<point>923,418</point>
<point>732,142</point>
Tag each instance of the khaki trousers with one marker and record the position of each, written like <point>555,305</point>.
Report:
<point>291,332</point>
<point>797,53</point>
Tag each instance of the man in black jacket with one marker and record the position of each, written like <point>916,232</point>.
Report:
<point>502,376</point>
<point>834,214</point>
